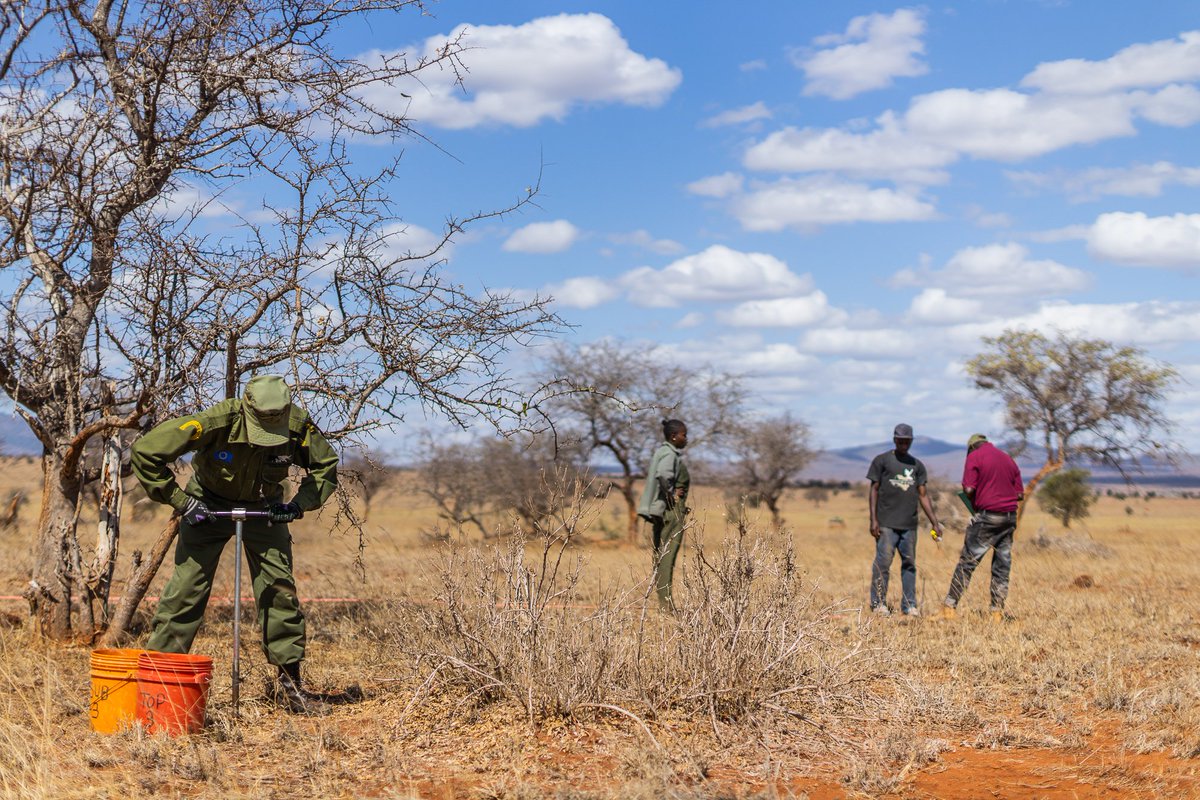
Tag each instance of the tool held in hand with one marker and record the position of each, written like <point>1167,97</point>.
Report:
<point>238,515</point>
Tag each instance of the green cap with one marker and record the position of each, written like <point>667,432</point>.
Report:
<point>268,403</point>
<point>975,439</point>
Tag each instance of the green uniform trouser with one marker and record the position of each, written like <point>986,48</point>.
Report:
<point>668,535</point>
<point>269,553</point>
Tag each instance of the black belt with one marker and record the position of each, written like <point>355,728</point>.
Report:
<point>999,513</point>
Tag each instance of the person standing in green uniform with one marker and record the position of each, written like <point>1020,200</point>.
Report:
<point>664,505</point>
<point>243,449</point>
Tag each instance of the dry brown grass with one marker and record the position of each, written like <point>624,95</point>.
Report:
<point>532,666</point>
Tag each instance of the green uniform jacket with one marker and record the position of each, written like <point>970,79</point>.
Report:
<point>667,463</point>
<point>226,468</point>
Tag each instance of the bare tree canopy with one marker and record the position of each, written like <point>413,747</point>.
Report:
<point>765,458</point>
<point>623,391</point>
<point>1077,399</point>
<point>489,481</point>
<point>122,301</point>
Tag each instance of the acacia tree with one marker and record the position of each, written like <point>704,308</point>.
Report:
<point>765,458</point>
<point>620,392</point>
<point>121,303</point>
<point>1077,399</point>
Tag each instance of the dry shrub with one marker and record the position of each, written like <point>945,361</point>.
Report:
<point>751,640</point>
<point>751,644</point>
<point>506,623</point>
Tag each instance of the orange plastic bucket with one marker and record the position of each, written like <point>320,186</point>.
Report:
<point>172,691</point>
<point>114,698</point>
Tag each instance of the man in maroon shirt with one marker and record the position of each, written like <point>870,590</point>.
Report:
<point>992,482</point>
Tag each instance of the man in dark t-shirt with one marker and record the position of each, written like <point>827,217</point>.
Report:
<point>897,487</point>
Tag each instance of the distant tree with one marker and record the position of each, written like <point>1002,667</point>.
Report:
<point>816,494</point>
<point>367,475</point>
<point>1078,399</point>
<point>1066,495</point>
<point>766,456</point>
<point>624,392</point>
<point>491,480</point>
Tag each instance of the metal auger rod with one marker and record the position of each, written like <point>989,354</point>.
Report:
<point>239,516</point>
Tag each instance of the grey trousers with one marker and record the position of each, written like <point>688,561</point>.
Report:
<point>986,531</point>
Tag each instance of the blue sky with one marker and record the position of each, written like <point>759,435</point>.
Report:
<point>836,200</point>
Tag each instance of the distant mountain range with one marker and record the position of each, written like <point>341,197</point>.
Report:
<point>944,461</point>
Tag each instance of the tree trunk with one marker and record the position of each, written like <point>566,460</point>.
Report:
<point>108,528</point>
<point>139,583</point>
<point>1048,468</point>
<point>54,579</point>
<point>776,516</point>
<point>631,516</point>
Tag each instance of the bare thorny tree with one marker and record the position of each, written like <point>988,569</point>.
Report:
<point>765,457</point>
<point>123,302</point>
<point>621,392</point>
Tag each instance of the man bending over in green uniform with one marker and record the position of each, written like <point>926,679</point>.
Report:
<point>242,451</point>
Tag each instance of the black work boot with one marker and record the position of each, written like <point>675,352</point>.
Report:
<point>290,694</point>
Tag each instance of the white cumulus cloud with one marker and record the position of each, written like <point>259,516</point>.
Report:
<point>861,343</point>
<point>542,238</point>
<point>936,307</point>
<point>1174,106</point>
<point>715,274</point>
<point>1135,239</point>
<point>520,75</point>
<point>582,292</point>
<point>1142,324</point>
<point>644,240</point>
<point>1137,66</point>
<point>782,312</point>
<point>888,150</point>
<point>811,202</point>
<point>1006,125</point>
<point>1136,180</point>
<point>874,50</point>
<point>997,270</point>
<point>723,185</point>
<point>739,116</point>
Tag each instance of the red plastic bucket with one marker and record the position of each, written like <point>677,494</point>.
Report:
<point>172,691</point>
<point>114,696</point>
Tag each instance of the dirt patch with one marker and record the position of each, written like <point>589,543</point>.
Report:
<point>1101,770</point>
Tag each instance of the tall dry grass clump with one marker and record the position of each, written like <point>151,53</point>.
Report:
<point>750,644</point>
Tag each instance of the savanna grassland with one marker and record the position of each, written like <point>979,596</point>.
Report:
<point>534,665</point>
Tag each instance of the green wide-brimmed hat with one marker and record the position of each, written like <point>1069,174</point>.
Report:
<point>975,439</point>
<point>268,403</point>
